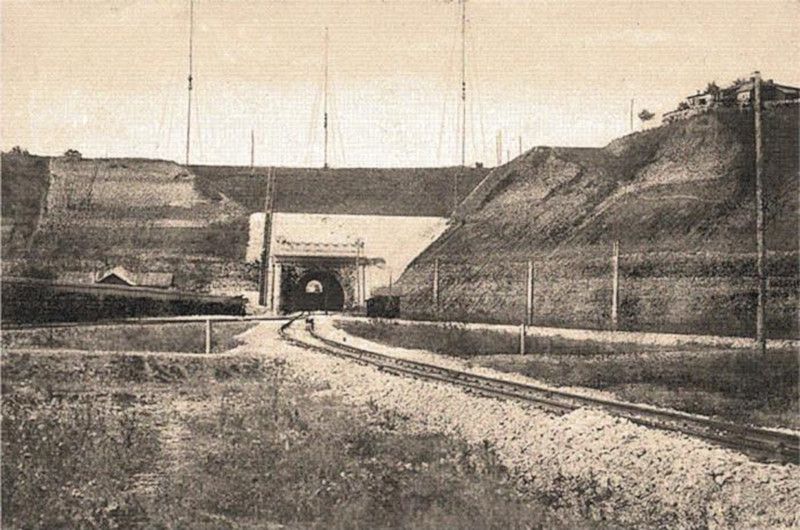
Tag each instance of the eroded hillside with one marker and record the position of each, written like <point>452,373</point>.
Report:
<point>145,215</point>
<point>680,194</point>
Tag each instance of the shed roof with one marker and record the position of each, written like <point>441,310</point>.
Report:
<point>139,279</point>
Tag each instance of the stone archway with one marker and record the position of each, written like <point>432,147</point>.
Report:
<point>318,291</point>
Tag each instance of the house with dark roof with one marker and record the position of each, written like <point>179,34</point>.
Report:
<point>743,94</point>
<point>121,276</point>
<point>739,94</point>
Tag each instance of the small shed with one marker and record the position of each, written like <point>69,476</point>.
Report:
<point>122,276</point>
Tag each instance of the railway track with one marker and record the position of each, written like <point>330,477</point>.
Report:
<point>758,443</point>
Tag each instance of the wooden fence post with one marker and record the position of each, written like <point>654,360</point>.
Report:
<point>208,335</point>
<point>436,285</point>
<point>615,286</point>
<point>529,295</point>
<point>761,249</point>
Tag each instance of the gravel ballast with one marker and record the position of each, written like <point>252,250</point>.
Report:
<point>586,460</point>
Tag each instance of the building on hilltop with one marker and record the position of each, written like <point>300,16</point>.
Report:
<point>738,95</point>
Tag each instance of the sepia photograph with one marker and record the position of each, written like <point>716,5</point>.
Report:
<point>400,264</point>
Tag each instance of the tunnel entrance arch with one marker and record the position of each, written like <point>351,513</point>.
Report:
<point>318,291</point>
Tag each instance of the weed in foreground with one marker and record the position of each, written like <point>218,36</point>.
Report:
<point>255,448</point>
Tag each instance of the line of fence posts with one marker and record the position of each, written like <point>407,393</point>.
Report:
<point>530,291</point>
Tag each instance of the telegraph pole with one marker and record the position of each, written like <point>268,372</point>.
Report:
<point>631,124</point>
<point>264,294</point>
<point>463,83</point>
<point>761,249</point>
<point>615,286</point>
<point>189,102</point>
<point>252,150</point>
<point>499,148</point>
<point>463,100</point>
<point>325,102</point>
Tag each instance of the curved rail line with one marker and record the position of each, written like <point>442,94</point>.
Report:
<point>761,444</point>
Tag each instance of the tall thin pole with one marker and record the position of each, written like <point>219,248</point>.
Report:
<point>463,83</point>
<point>325,101</point>
<point>761,336</point>
<point>252,150</point>
<point>189,99</point>
<point>615,286</point>
<point>436,285</point>
<point>358,274</point>
<point>520,145</point>
<point>631,116</point>
<point>529,294</point>
<point>264,294</point>
<point>463,101</point>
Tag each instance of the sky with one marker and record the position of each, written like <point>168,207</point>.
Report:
<point>108,77</point>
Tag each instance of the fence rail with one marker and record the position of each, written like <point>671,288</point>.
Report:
<point>707,292</point>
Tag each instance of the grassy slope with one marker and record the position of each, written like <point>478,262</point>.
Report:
<point>679,189</point>
<point>684,186</point>
<point>24,188</point>
<point>185,337</point>
<point>395,191</point>
<point>108,441</point>
<point>142,214</point>
<point>158,216</point>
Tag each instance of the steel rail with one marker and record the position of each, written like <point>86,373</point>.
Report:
<point>762,444</point>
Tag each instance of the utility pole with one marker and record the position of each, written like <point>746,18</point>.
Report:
<point>436,285</point>
<point>520,145</point>
<point>189,102</point>
<point>463,101</point>
<point>761,335</point>
<point>631,129</point>
<point>615,286</point>
<point>264,294</point>
<point>499,148</point>
<point>252,150</point>
<point>529,294</point>
<point>463,83</point>
<point>325,102</point>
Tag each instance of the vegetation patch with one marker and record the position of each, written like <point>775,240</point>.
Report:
<point>99,441</point>
<point>185,337</point>
<point>738,385</point>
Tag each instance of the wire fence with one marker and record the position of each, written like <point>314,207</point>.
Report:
<point>706,293</point>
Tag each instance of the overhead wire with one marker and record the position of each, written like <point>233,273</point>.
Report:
<point>477,96</point>
<point>338,138</point>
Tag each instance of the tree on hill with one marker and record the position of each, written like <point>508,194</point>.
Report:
<point>683,106</point>
<point>713,89</point>
<point>646,115</point>
<point>19,151</point>
<point>73,154</point>
<point>739,81</point>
